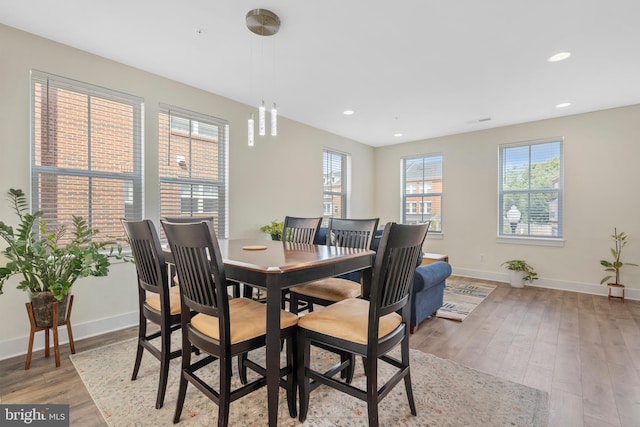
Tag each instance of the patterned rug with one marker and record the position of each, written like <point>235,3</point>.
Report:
<point>461,297</point>
<point>446,394</point>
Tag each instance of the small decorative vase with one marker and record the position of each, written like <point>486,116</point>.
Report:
<point>516,278</point>
<point>42,307</point>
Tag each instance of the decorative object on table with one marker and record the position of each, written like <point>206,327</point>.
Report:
<point>274,229</point>
<point>519,272</point>
<point>444,391</point>
<point>461,297</point>
<point>616,289</point>
<point>49,261</point>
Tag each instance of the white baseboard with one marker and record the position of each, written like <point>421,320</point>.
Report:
<point>18,346</point>
<point>562,285</point>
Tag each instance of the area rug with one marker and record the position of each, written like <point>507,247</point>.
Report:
<point>446,394</point>
<point>461,297</point>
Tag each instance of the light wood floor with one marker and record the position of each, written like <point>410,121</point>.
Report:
<point>582,349</point>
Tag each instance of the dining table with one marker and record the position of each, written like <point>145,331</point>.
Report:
<point>276,266</point>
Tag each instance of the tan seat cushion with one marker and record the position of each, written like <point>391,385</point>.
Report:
<point>248,320</point>
<point>153,300</point>
<point>349,320</point>
<point>331,289</point>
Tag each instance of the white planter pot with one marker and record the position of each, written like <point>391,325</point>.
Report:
<point>616,291</point>
<point>516,278</point>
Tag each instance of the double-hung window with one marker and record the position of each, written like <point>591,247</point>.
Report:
<point>86,156</point>
<point>334,184</point>
<point>531,189</point>
<point>193,166</point>
<point>422,190</point>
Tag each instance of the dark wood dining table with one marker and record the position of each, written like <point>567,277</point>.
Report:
<point>282,265</point>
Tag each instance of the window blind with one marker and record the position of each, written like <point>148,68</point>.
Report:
<point>531,189</point>
<point>86,154</point>
<point>193,166</point>
<point>334,184</point>
<point>422,191</point>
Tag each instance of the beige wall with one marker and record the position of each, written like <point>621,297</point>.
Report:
<point>276,177</point>
<point>601,154</point>
<point>282,176</point>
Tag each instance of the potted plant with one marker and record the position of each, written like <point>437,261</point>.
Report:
<point>616,289</point>
<point>519,272</point>
<point>49,261</point>
<point>274,229</point>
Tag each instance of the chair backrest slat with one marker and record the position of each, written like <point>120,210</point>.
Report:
<point>151,267</point>
<point>200,269</point>
<point>351,233</point>
<point>300,230</point>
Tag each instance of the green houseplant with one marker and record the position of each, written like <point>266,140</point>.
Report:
<point>519,272</point>
<point>49,261</point>
<point>274,229</point>
<point>620,241</point>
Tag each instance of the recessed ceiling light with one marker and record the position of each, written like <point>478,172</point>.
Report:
<point>559,56</point>
<point>563,105</point>
<point>348,112</point>
<point>397,134</point>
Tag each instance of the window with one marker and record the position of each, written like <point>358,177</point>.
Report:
<point>422,187</point>
<point>531,189</point>
<point>334,170</point>
<point>86,154</point>
<point>193,166</point>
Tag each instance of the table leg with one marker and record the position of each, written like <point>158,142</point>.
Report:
<point>273,351</point>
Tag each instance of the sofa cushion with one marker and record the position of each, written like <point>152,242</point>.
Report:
<point>430,275</point>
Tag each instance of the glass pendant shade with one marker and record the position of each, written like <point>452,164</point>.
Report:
<point>274,121</point>
<point>250,131</point>
<point>261,121</point>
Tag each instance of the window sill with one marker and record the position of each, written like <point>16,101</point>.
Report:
<point>532,241</point>
<point>435,236</point>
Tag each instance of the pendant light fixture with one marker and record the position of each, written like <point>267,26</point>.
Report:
<point>263,23</point>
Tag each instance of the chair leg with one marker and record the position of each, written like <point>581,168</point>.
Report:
<point>242,368</point>
<point>372,390</point>
<point>292,376</point>
<point>182,389</point>
<point>165,353</point>
<point>404,349</point>
<point>225,391</point>
<point>142,332</point>
<point>302,364</point>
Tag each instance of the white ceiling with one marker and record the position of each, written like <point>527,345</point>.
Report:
<point>425,68</point>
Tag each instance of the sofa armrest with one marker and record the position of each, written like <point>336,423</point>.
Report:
<point>430,274</point>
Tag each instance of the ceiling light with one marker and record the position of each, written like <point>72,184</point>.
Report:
<point>563,105</point>
<point>559,56</point>
<point>397,134</point>
<point>263,23</point>
<point>348,112</point>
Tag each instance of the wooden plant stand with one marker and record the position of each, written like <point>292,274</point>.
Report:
<point>54,322</point>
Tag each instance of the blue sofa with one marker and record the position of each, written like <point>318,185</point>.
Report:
<point>428,284</point>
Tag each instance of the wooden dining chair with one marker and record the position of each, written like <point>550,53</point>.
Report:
<point>350,233</point>
<point>158,302</point>
<point>222,327</point>
<point>369,328</point>
<point>300,230</point>
<point>235,286</point>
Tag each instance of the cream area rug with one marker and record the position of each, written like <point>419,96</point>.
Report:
<point>446,394</point>
<point>461,297</point>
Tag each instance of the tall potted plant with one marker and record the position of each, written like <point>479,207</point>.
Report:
<point>49,261</point>
<point>616,289</point>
